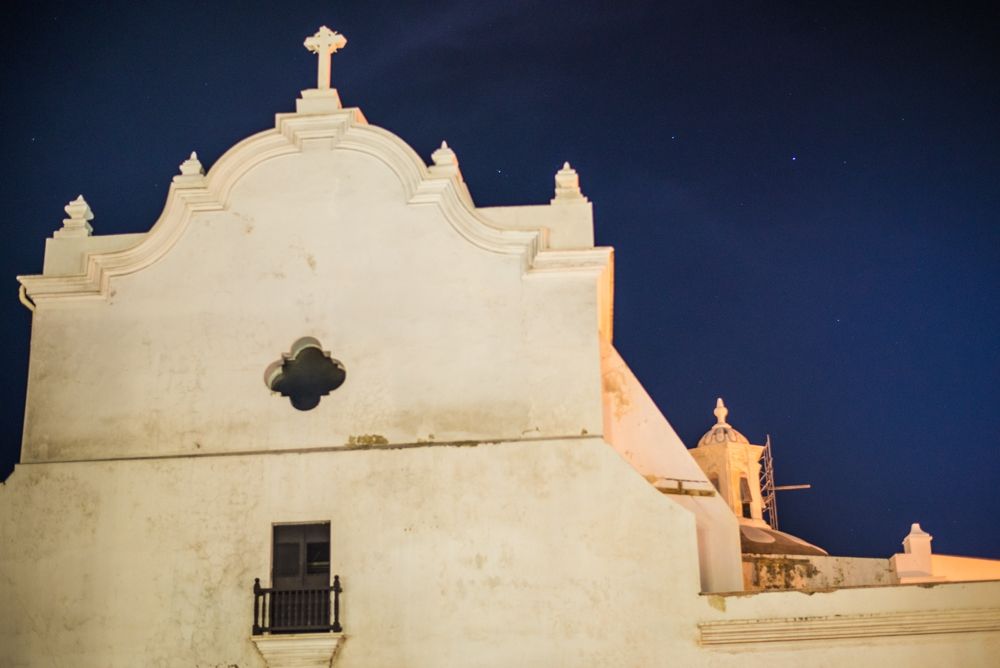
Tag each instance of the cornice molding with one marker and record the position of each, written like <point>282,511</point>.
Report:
<point>834,627</point>
<point>294,133</point>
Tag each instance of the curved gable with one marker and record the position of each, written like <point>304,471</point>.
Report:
<point>450,326</point>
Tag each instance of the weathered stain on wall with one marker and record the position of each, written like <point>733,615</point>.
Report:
<point>767,572</point>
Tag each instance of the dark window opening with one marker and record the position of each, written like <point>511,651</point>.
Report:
<point>299,597</point>
<point>317,558</point>
<point>745,498</point>
<point>306,374</point>
<point>301,557</point>
<point>286,560</point>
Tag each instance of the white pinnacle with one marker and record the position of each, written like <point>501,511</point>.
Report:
<point>78,223</point>
<point>444,156</point>
<point>568,185</point>
<point>192,166</point>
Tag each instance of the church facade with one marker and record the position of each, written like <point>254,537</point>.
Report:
<point>327,410</point>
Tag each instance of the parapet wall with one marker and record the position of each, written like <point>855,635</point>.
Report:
<point>770,571</point>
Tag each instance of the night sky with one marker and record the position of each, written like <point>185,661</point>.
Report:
<point>803,201</point>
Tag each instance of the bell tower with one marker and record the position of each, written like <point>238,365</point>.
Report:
<point>733,465</point>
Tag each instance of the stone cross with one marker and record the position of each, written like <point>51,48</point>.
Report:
<point>324,43</point>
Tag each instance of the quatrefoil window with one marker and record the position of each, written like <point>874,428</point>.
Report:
<point>305,374</point>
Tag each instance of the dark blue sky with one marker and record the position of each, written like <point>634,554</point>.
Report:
<point>803,200</point>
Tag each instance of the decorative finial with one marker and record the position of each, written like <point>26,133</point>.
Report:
<point>917,541</point>
<point>444,156</point>
<point>721,412</point>
<point>324,44</point>
<point>192,173</point>
<point>78,223</point>
<point>568,185</point>
<point>444,165</point>
<point>192,166</point>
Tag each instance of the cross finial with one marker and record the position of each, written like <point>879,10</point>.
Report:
<point>324,43</point>
<point>721,412</point>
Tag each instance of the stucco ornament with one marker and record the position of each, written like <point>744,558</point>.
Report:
<point>78,223</point>
<point>568,186</point>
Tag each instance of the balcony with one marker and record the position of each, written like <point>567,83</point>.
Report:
<point>296,610</point>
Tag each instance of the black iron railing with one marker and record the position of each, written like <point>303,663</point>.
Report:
<point>296,610</point>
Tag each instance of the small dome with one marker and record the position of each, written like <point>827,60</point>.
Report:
<point>766,540</point>
<point>722,432</point>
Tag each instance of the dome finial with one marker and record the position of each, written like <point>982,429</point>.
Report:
<point>722,431</point>
<point>721,412</point>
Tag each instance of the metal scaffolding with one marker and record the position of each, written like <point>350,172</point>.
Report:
<point>767,489</point>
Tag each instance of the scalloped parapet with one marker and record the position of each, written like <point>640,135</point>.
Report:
<point>345,130</point>
<point>66,252</point>
<point>568,219</point>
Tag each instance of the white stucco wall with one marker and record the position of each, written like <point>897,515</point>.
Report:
<point>642,436</point>
<point>532,553</point>
<point>908,625</point>
<point>442,340</point>
<point>962,569</point>
<point>551,553</point>
<point>569,224</point>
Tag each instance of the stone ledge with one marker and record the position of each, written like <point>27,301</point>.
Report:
<point>305,650</point>
<point>849,626</point>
